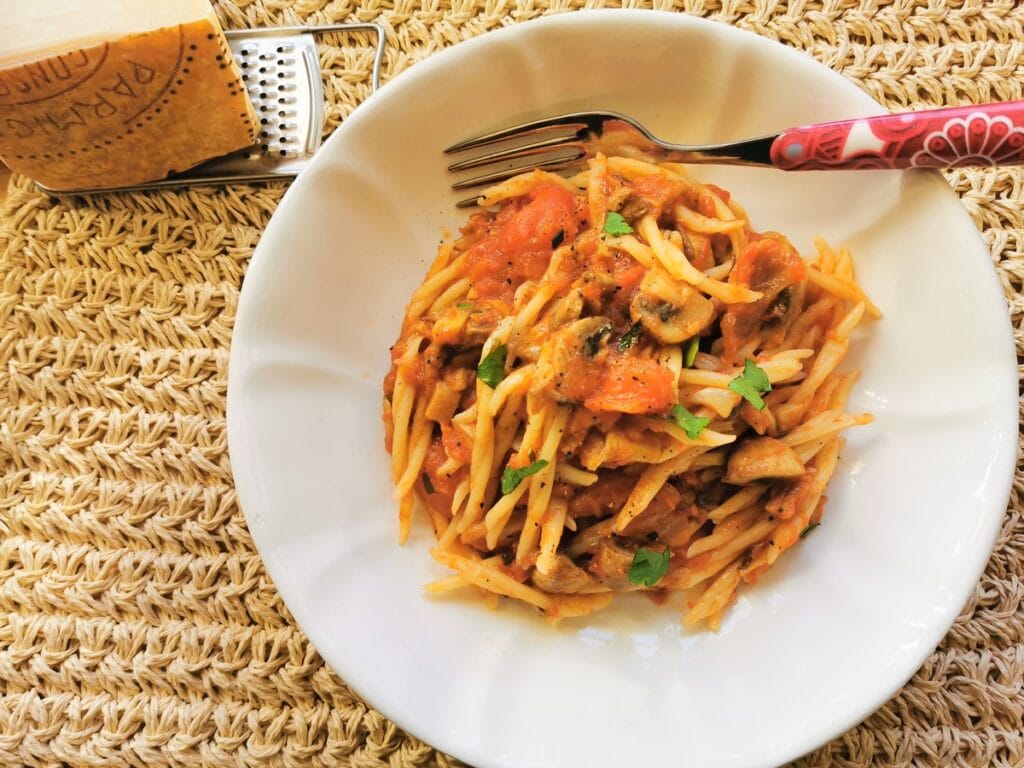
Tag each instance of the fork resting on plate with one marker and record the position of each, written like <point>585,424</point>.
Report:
<point>982,135</point>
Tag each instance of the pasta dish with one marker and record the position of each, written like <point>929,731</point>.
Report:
<point>610,382</point>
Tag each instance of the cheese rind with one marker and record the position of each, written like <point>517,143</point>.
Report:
<point>127,111</point>
<point>35,29</point>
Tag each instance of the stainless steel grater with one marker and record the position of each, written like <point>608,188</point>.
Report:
<point>281,68</point>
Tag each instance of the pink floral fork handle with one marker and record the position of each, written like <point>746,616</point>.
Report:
<point>983,135</point>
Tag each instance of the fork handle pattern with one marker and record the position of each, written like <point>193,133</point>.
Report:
<point>984,135</point>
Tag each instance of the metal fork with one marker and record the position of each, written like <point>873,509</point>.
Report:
<point>986,134</point>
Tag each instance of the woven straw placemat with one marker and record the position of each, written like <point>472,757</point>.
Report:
<point>137,623</point>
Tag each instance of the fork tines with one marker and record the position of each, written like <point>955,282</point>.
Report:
<point>561,123</point>
<point>551,144</point>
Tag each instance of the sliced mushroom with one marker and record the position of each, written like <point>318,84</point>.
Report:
<point>616,449</point>
<point>618,196</point>
<point>671,312</point>
<point>771,266</point>
<point>481,323</point>
<point>635,207</point>
<point>760,458</point>
<point>570,308</point>
<point>665,508</point>
<point>610,565</point>
<point>565,578</point>
<point>450,326</point>
<point>763,421</point>
<point>447,393</point>
<point>561,364</point>
<point>596,287</point>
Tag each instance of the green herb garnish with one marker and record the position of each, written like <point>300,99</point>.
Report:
<point>751,384</point>
<point>808,529</point>
<point>428,484</point>
<point>649,566</point>
<point>615,225</point>
<point>692,347</point>
<point>511,477</point>
<point>491,370</point>
<point>465,305</point>
<point>629,337</point>
<point>692,425</point>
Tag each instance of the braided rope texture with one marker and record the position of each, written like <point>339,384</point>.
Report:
<point>137,623</point>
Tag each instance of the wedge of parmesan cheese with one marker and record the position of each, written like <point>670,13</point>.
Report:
<point>108,93</point>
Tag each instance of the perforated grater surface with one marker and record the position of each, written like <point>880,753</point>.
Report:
<point>281,68</point>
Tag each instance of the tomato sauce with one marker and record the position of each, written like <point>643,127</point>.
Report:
<point>443,485</point>
<point>455,443</point>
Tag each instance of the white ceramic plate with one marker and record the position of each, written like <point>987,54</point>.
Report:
<point>831,632</point>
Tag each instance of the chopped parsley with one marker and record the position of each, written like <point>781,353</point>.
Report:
<point>615,225</point>
<point>428,484</point>
<point>467,305</point>
<point>558,239</point>
<point>491,370</point>
<point>649,566</point>
<point>511,477</point>
<point>751,384</point>
<point>808,529</point>
<point>692,347</point>
<point>692,425</point>
<point>630,337</point>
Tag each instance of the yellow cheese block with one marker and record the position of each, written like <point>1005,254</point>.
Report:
<point>126,110</point>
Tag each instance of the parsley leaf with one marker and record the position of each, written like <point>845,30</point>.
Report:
<point>808,529</point>
<point>692,348</point>
<point>491,370</point>
<point>751,384</point>
<point>511,477</point>
<point>692,425</point>
<point>629,337</point>
<point>428,484</point>
<point>558,239</point>
<point>649,566</point>
<point>615,225</point>
<point>465,305</point>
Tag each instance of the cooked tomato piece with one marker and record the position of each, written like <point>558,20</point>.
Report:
<point>627,273</point>
<point>723,194</point>
<point>534,227</point>
<point>633,385</point>
<point>706,206</point>
<point>518,244</point>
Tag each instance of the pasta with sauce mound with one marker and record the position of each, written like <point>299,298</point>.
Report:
<point>611,383</point>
